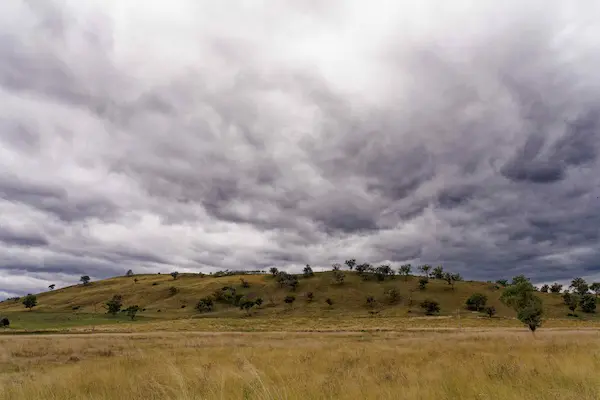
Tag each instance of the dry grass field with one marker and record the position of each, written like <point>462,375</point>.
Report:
<point>494,364</point>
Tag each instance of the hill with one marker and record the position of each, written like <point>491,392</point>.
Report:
<point>164,298</point>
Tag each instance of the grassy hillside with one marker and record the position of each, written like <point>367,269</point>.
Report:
<point>154,294</point>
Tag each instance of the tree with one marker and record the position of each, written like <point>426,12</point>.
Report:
<point>451,278</point>
<point>556,288</point>
<point>490,311</point>
<point>476,302</point>
<point>571,301</point>
<point>438,272</point>
<point>4,322</point>
<point>309,296</point>
<point>129,273</point>
<point>336,267</point>
<point>580,286</point>
<point>588,303</point>
<point>423,281</point>
<point>308,272</point>
<point>30,301</point>
<point>289,300</point>
<point>393,296</point>
<point>350,264</point>
<point>85,279</point>
<point>405,270</point>
<point>362,268</point>
<point>175,274</point>
<point>425,269</point>
<point>383,271</point>
<point>545,289</point>
<point>431,307</point>
<point>329,302</point>
<point>247,305</point>
<point>173,290</point>
<point>519,279</point>
<point>114,305</point>
<point>531,315</point>
<point>132,311</point>
<point>245,283</point>
<point>51,287</point>
<point>502,282</point>
<point>274,271</point>
<point>338,277</point>
<point>205,304</point>
<point>595,287</point>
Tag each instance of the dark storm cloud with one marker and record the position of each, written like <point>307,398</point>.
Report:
<point>238,140</point>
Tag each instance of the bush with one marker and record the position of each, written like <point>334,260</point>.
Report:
<point>154,283</point>
<point>490,311</point>
<point>502,282</point>
<point>393,296</point>
<point>205,304</point>
<point>423,281</point>
<point>175,274</point>
<point>431,307</point>
<point>4,322</point>
<point>245,283</point>
<point>531,315</point>
<point>476,302</point>
<point>132,311</point>
<point>173,290</point>
<point>545,289</point>
<point>338,277</point>
<point>371,301</point>
<point>308,272</point>
<point>556,288</point>
<point>329,302</point>
<point>588,303</point>
<point>247,305</point>
<point>129,273</point>
<point>289,299</point>
<point>309,296</point>
<point>285,279</point>
<point>274,271</point>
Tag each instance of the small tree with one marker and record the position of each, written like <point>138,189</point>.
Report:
<point>490,311</point>
<point>205,304</point>
<point>431,307</point>
<point>129,273</point>
<point>308,272</point>
<point>595,287</point>
<point>350,264</point>
<point>329,302</point>
<point>245,283</point>
<point>132,311</point>
<point>545,289</point>
<point>451,279</point>
<point>393,296</point>
<point>274,271</point>
<point>336,267</point>
<point>85,279</point>
<point>289,300</point>
<point>114,305</point>
<point>502,282</point>
<point>588,303</point>
<point>30,301</point>
<point>175,275</point>
<point>556,288</point>
<point>309,297</point>
<point>423,281</point>
<point>405,270</point>
<point>476,302</point>
<point>338,277</point>
<point>438,273</point>
<point>425,269</point>
<point>531,315</point>
<point>571,301</point>
<point>580,286</point>
<point>247,305</point>
<point>51,287</point>
<point>4,322</point>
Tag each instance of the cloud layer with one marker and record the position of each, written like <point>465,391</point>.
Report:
<point>199,136</point>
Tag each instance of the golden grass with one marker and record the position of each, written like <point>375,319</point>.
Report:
<point>498,364</point>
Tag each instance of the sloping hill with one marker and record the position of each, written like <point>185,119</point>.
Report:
<point>164,297</point>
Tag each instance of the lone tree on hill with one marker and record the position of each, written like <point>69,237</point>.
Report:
<point>438,272</point>
<point>502,282</point>
<point>308,272</point>
<point>405,270</point>
<point>129,273</point>
<point>556,288</point>
<point>51,287</point>
<point>274,271</point>
<point>338,277</point>
<point>132,311</point>
<point>175,275</point>
<point>113,306</point>
<point>30,301</point>
<point>545,289</point>
<point>425,269</point>
<point>85,279</point>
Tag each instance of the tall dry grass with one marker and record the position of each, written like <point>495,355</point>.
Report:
<point>408,365</point>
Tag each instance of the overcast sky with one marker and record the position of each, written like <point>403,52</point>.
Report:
<point>205,135</point>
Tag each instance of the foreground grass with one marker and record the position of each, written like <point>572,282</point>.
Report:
<point>408,365</point>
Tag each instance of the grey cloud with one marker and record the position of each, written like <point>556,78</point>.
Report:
<point>480,154</point>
